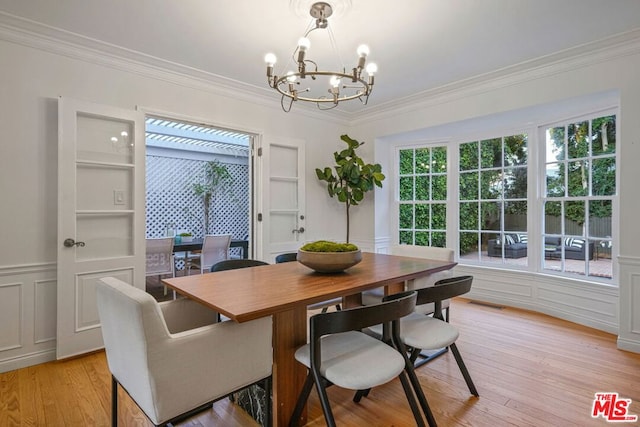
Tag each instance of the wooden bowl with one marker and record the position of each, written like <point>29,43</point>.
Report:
<point>329,262</point>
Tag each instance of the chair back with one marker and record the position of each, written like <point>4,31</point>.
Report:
<point>386,313</point>
<point>443,290</point>
<point>130,319</point>
<point>427,252</point>
<point>355,319</point>
<point>159,256</point>
<point>288,257</point>
<point>215,247</point>
<point>233,264</point>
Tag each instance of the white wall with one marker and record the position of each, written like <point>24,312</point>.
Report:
<point>32,79</point>
<point>36,70</point>
<point>610,70</point>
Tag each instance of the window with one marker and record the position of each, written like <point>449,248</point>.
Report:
<point>423,196</point>
<point>563,225</point>
<point>579,195</point>
<point>492,198</point>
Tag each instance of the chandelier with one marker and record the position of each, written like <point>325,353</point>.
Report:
<point>340,85</point>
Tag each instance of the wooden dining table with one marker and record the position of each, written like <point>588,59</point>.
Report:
<point>284,291</point>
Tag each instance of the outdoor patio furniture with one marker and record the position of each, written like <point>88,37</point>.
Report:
<point>515,246</point>
<point>574,248</point>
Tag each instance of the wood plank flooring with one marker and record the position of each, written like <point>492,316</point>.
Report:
<point>530,370</point>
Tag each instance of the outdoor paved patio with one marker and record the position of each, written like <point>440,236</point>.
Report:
<point>602,267</point>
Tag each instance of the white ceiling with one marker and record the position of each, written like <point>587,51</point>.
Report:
<point>418,44</point>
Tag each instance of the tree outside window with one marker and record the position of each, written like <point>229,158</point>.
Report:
<point>578,199</point>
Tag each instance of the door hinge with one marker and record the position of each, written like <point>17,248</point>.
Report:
<point>259,151</point>
<point>259,217</point>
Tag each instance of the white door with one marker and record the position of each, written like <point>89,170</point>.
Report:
<point>283,188</point>
<point>100,213</point>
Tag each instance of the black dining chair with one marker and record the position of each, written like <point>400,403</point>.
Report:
<point>340,354</point>
<point>232,264</point>
<point>286,257</point>
<point>420,332</point>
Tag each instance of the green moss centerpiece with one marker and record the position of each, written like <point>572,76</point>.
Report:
<point>329,257</point>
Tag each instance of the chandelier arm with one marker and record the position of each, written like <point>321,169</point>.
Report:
<point>286,110</point>
<point>314,64</point>
<point>327,108</point>
<point>310,27</point>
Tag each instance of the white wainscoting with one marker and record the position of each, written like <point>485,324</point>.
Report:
<point>27,315</point>
<point>591,304</point>
<point>629,336</point>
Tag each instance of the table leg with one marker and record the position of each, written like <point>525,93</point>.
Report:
<point>289,333</point>
<point>355,300</point>
<point>394,288</point>
<point>351,301</point>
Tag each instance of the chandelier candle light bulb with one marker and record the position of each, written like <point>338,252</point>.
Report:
<point>271,60</point>
<point>287,85</point>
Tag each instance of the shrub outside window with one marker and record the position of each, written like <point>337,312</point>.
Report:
<point>572,208</point>
<point>493,200</point>
<point>422,210</point>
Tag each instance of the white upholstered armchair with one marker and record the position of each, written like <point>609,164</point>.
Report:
<point>174,358</point>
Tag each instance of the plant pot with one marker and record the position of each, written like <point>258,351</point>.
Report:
<point>187,239</point>
<point>329,262</point>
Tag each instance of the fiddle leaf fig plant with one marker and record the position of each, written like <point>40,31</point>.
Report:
<point>350,177</point>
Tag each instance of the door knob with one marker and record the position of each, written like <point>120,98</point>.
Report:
<point>69,243</point>
<point>298,230</point>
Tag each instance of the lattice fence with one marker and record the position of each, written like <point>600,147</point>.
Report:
<point>170,199</point>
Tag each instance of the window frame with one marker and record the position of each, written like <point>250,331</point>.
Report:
<point>542,197</point>
<point>502,233</point>
<point>536,172</point>
<point>428,202</point>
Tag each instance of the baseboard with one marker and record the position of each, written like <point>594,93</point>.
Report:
<point>628,345</point>
<point>26,360</point>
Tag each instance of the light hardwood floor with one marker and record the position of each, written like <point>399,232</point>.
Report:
<point>530,370</point>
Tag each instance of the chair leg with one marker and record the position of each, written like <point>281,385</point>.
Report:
<point>420,359</point>
<point>324,399</point>
<point>360,394</point>
<point>417,388</point>
<point>412,400</point>
<point>114,402</point>
<point>463,369</point>
<point>302,400</point>
<point>413,378</point>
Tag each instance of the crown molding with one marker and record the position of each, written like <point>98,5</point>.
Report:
<point>54,40</point>
<point>621,45</point>
<point>39,36</point>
